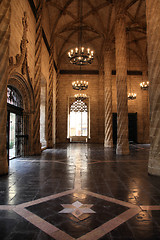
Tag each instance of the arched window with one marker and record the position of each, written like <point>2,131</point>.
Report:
<point>78,119</point>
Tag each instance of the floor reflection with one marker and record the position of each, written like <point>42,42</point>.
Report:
<point>124,198</point>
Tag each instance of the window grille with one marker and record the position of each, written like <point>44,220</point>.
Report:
<point>14,97</point>
<point>79,106</point>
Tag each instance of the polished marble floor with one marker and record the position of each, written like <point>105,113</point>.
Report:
<point>80,191</point>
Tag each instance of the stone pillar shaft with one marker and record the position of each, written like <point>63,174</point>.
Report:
<point>57,106</point>
<point>153,40</point>
<point>145,111</point>
<point>50,103</point>
<point>108,140</point>
<point>5,15</point>
<point>37,79</point>
<point>121,81</point>
<point>101,105</point>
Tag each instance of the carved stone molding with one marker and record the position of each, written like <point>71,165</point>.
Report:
<point>23,46</point>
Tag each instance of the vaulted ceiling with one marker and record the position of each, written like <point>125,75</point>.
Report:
<point>98,22</point>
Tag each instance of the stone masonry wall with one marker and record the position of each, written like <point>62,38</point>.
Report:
<point>65,91</point>
<point>135,106</point>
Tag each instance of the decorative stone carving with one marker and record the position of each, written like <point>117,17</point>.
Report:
<point>23,47</point>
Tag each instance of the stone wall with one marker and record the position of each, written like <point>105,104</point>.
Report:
<point>136,106</point>
<point>18,8</point>
<point>64,92</point>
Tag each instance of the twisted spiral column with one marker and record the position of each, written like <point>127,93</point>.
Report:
<point>37,80</point>
<point>153,40</point>
<point>101,105</point>
<point>145,111</point>
<point>121,81</point>
<point>50,102</point>
<point>57,104</point>
<point>5,15</point>
<point>108,140</point>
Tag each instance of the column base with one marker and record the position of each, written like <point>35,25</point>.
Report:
<point>154,171</point>
<point>122,150</point>
<point>3,167</point>
<point>37,150</point>
<point>50,144</point>
<point>108,144</point>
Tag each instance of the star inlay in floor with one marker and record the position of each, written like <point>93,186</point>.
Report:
<point>77,209</point>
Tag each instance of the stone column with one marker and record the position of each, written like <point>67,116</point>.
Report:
<point>121,81</point>
<point>145,111</point>
<point>37,79</point>
<point>50,103</point>
<point>57,106</point>
<point>108,140</point>
<point>5,15</point>
<point>153,40</point>
<point>101,105</point>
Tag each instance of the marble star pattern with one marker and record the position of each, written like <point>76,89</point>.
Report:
<point>77,209</point>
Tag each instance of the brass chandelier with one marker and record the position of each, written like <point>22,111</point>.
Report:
<point>144,85</point>
<point>80,96</point>
<point>131,94</point>
<point>80,85</point>
<point>80,55</point>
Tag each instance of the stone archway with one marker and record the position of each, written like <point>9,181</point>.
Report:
<point>25,89</point>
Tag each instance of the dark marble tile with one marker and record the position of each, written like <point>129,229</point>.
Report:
<point>121,177</point>
<point>104,211</point>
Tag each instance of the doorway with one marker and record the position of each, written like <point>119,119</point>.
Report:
<point>132,127</point>
<point>14,123</point>
<point>12,135</point>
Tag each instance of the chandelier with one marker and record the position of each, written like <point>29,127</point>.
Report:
<point>80,96</point>
<point>80,85</point>
<point>132,96</point>
<point>144,85</point>
<point>80,55</point>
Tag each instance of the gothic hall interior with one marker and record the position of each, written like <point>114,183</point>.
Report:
<point>80,119</point>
